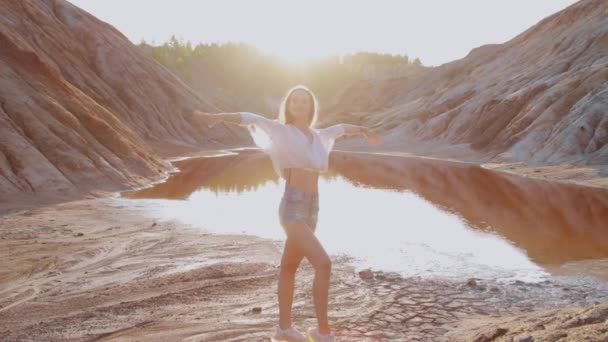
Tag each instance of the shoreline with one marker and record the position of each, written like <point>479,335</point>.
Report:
<point>600,183</point>
<point>595,176</point>
<point>31,201</point>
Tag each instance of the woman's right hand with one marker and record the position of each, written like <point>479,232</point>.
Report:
<point>373,138</point>
<point>209,118</point>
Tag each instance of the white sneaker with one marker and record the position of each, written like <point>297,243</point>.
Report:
<point>290,334</point>
<point>315,336</point>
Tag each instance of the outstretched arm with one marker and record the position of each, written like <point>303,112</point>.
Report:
<point>241,118</point>
<point>211,119</point>
<point>372,137</point>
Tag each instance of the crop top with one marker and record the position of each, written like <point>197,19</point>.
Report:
<point>288,146</point>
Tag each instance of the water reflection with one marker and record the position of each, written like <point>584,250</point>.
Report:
<point>411,215</point>
<point>553,222</point>
<point>237,172</point>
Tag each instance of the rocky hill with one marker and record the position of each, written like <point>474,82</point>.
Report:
<point>82,108</point>
<point>541,97</point>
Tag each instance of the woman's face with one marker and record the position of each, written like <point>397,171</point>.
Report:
<point>300,105</point>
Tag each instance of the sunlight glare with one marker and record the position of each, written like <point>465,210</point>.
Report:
<point>297,48</point>
<point>260,138</point>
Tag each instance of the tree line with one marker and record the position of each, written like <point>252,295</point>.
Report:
<point>242,70</point>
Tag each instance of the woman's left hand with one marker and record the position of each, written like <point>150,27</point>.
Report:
<point>372,137</point>
<point>209,118</point>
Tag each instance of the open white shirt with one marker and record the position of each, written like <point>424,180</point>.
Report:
<point>288,146</point>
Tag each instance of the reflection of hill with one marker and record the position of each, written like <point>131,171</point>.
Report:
<point>245,171</point>
<point>553,222</point>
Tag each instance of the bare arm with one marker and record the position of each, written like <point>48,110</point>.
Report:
<point>213,118</point>
<point>270,126</point>
<point>355,129</point>
<point>365,131</point>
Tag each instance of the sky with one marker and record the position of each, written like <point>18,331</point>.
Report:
<point>435,31</point>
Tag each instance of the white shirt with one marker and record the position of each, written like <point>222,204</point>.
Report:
<point>288,146</point>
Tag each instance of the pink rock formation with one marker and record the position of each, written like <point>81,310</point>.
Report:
<point>82,108</point>
<point>541,97</point>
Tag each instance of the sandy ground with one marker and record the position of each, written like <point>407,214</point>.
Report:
<point>574,324</point>
<point>93,270</point>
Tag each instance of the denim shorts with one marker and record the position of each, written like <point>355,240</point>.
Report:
<point>299,205</point>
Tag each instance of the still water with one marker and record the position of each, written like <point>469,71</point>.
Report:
<point>415,216</point>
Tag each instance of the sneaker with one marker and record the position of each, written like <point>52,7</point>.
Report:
<point>315,336</point>
<point>290,334</point>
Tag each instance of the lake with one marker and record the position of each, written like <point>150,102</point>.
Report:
<point>416,216</point>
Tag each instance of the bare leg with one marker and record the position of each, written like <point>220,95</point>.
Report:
<point>306,241</point>
<point>290,261</point>
<point>292,256</point>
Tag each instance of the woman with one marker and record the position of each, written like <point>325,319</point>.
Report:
<point>298,153</point>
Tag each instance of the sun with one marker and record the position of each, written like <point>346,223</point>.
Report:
<point>295,55</point>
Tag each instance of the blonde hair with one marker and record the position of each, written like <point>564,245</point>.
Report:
<point>285,117</point>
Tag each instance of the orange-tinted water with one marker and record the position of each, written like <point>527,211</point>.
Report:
<point>416,216</point>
